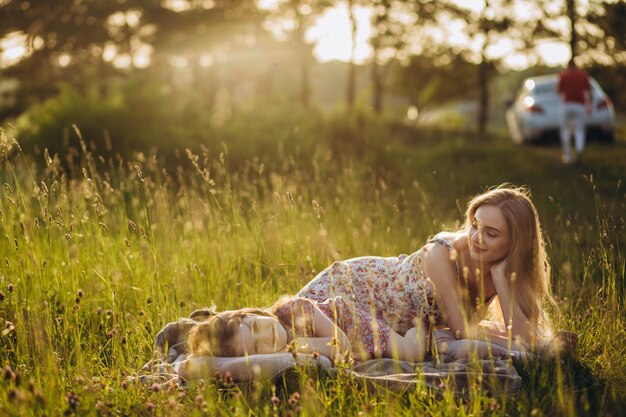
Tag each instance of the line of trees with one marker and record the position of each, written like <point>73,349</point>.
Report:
<point>413,53</point>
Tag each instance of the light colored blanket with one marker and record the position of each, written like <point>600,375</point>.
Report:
<point>172,364</point>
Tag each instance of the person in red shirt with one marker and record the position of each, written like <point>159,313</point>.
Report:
<point>575,90</point>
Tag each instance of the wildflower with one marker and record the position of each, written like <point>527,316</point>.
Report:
<point>228,378</point>
<point>275,401</point>
<point>72,399</point>
<point>155,387</point>
<point>8,373</point>
<point>1,296</point>
<point>8,328</point>
<point>99,311</point>
<point>80,293</point>
<point>294,399</point>
<point>150,406</point>
<point>494,405</point>
<point>10,287</point>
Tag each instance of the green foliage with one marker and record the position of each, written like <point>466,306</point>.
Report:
<point>97,256</point>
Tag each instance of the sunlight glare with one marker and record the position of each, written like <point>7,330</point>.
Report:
<point>554,53</point>
<point>122,61</point>
<point>332,35</point>
<point>177,5</point>
<point>13,48</point>
<point>65,60</point>
<point>412,113</point>
<point>142,59</point>
<point>178,62</point>
<point>206,61</point>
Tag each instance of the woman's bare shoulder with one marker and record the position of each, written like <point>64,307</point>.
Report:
<point>437,259</point>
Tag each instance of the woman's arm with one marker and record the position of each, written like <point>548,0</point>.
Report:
<point>517,323</point>
<point>326,346</point>
<point>442,274</point>
<point>329,339</point>
<point>470,348</point>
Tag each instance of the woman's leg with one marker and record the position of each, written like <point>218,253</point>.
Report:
<point>410,347</point>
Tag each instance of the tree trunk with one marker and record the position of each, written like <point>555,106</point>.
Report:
<point>303,53</point>
<point>305,87</point>
<point>571,15</point>
<point>483,104</point>
<point>351,87</point>
<point>377,84</point>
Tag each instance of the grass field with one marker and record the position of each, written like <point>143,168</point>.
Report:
<point>97,254</point>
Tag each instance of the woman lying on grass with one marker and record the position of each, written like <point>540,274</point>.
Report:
<point>498,257</point>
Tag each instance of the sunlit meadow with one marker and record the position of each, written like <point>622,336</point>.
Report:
<point>98,253</point>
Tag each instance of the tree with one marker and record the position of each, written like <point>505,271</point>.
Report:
<point>485,24</point>
<point>434,78</point>
<point>351,86</point>
<point>483,27</point>
<point>301,15</point>
<point>391,23</point>
<point>64,35</point>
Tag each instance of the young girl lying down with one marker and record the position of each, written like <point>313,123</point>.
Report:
<point>332,328</point>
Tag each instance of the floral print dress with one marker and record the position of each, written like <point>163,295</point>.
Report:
<point>394,291</point>
<point>368,336</point>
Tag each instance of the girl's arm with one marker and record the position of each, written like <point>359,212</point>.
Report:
<point>245,368</point>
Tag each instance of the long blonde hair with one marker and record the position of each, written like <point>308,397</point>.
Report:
<point>527,262</point>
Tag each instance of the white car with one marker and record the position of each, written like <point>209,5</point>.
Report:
<point>536,111</point>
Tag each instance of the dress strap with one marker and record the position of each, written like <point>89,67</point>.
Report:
<point>448,245</point>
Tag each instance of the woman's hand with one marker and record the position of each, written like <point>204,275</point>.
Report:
<point>332,347</point>
<point>498,271</point>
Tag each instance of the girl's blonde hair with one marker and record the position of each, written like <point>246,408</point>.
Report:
<point>216,335</point>
<point>528,265</point>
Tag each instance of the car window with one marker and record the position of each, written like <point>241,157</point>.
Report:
<point>545,88</point>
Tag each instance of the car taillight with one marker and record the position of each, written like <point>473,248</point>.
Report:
<point>604,103</point>
<point>534,109</point>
